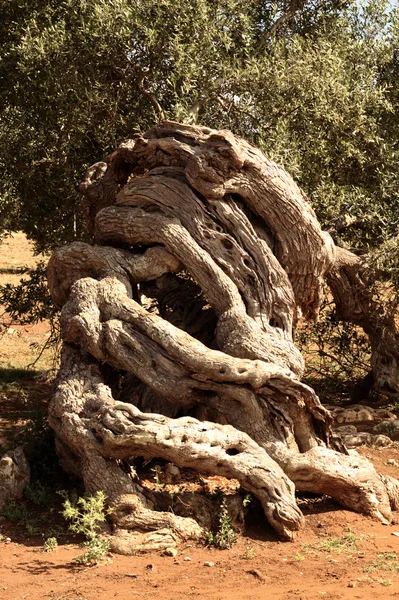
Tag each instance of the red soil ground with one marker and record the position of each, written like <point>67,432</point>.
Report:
<point>339,555</point>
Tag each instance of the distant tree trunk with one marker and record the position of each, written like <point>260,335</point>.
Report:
<point>178,334</point>
<point>351,283</point>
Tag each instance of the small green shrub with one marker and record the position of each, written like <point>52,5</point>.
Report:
<point>19,514</point>
<point>14,512</point>
<point>299,557</point>
<point>337,355</point>
<point>247,500</point>
<point>56,531</point>
<point>86,516</point>
<point>225,536</point>
<point>38,440</point>
<point>249,553</point>
<point>95,550</point>
<point>32,527</point>
<point>37,493</point>
<point>50,544</point>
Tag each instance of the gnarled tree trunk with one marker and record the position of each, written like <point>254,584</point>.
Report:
<point>178,334</point>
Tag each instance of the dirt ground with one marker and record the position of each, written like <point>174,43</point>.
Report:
<point>339,555</point>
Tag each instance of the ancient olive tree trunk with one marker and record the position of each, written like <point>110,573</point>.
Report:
<point>178,335</point>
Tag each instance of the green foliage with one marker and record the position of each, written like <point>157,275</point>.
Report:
<point>37,493</point>
<point>318,95</point>
<point>347,543</point>
<point>337,355</point>
<point>95,550</point>
<point>14,512</point>
<point>39,447</point>
<point>249,553</point>
<point>86,515</point>
<point>29,301</point>
<point>35,435</point>
<point>50,544</point>
<point>299,557</point>
<point>224,537</point>
<point>384,261</point>
<point>17,513</point>
<point>385,582</point>
<point>385,561</point>
<point>247,500</point>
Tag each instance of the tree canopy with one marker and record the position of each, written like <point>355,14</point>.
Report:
<point>311,83</point>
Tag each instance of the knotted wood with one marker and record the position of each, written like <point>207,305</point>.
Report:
<point>178,334</point>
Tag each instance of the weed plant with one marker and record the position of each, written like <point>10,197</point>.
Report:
<point>18,513</point>
<point>50,544</point>
<point>86,516</point>
<point>348,544</point>
<point>249,553</point>
<point>385,561</point>
<point>224,537</point>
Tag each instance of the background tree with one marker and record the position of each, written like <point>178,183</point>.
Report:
<point>313,84</point>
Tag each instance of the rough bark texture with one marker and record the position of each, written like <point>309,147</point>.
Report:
<point>14,475</point>
<point>178,335</point>
<point>351,283</point>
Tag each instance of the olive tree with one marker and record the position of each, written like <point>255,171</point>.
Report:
<point>178,330</point>
<point>312,84</point>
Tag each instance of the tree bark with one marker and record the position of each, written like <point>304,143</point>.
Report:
<point>178,335</point>
<point>351,283</point>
